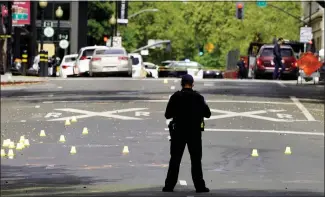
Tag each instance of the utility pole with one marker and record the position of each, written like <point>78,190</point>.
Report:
<point>116,12</point>
<point>9,40</point>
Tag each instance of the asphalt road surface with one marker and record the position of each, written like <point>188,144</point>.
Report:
<point>128,114</point>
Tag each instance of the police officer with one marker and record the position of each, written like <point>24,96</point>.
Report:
<point>278,61</point>
<point>188,109</point>
<point>241,68</point>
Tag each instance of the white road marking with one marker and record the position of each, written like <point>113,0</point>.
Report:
<point>224,101</point>
<point>263,131</point>
<point>172,87</point>
<point>23,121</point>
<point>54,115</point>
<point>182,182</point>
<point>302,108</point>
<point>48,102</point>
<point>142,113</point>
<point>37,106</point>
<point>306,99</point>
<point>208,84</point>
<point>59,87</point>
<point>250,114</point>
<point>168,121</point>
<point>107,114</point>
<point>281,84</point>
<point>288,116</point>
<point>208,101</point>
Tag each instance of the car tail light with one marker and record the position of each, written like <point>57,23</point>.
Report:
<point>123,58</point>
<point>83,57</point>
<point>294,64</point>
<point>64,67</point>
<point>259,62</point>
<point>96,59</point>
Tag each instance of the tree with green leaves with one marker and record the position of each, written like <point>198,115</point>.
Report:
<point>193,24</point>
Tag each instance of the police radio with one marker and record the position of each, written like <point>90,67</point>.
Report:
<point>202,125</point>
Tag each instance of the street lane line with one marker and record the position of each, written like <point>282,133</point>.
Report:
<point>182,182</point>
<point>302,108</point>
<point>224,101</point>
<point>281,84</point>
<point>263,131</point>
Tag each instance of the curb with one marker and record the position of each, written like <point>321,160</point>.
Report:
<point>5,83</point>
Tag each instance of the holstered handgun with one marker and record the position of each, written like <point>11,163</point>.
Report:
<point>171,127</point>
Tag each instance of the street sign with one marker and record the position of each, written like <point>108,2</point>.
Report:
<point>49,32</point>
<point>117,41</point>
<point>64,44</point>
<point>63,37</point>
<point>306,34</point>
<point>48,24</point>
<point>122,21</point>
<point>260,3</point>
<point>144,52</point>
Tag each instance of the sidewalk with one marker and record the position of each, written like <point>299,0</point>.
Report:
<point>8,79</point>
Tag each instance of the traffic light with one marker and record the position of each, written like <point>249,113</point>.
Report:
<point>239,10</point>
<point>201,51</point>
<point>105,38</point>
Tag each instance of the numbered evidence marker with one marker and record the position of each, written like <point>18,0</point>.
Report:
<point>142,113</point>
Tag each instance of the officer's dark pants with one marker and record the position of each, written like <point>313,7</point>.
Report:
<point>278,64</point>
<point>177,147</point>
<point>241,73</point>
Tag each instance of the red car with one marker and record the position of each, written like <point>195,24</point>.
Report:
<point>265,65</point>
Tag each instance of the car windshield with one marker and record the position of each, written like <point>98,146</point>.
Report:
<point>70,59</point>
<point>88,52</point>
<point>286,52</point>
<point>135,61</point>
<point>110,52</point>
<point>165,63</point>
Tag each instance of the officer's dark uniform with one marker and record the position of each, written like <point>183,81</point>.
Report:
<point>241,66</point>
<point>277,60</point>
<point>188,109</point>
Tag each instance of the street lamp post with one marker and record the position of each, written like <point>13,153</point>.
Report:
<point>146,10</point>
<point>58,14</point>
<point>112,22</point>
<point>42,5</point>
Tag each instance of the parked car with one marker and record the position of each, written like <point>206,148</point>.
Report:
<point>84,56</point>
<point>212,74</point>
<point>265,65</point>
<point>151,69</point>
<point>107,60</point>
<point>137,64</point>
<point>180,68</point>
<point>163,68</point>
<point>66,66</point>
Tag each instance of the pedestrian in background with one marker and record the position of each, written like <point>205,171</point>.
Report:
<point>241,68</point>
<point>278,61</point>
<point>187,108</point>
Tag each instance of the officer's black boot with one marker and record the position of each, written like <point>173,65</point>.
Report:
<point>203,190</point>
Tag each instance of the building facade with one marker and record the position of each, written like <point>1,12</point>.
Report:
<point>73,26</point>
<point>313,14</point>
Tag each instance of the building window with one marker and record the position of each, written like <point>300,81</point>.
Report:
<point>49,11</point>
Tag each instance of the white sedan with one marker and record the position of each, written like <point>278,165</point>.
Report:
<point>66,66</point>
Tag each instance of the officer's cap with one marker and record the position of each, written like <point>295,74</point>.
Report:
<point>187,79</point>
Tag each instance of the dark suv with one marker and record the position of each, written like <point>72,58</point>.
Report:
<point>265,65</point>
